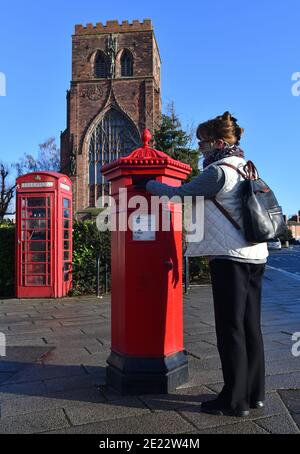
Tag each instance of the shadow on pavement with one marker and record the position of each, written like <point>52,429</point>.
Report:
<point>23,373</point>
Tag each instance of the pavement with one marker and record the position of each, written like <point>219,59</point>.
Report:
<point>53,377</point>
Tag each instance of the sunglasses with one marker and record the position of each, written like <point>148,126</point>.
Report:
<point>203,142</point>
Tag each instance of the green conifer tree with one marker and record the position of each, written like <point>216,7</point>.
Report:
<point>176,142</point>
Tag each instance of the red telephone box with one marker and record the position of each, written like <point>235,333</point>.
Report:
<point>147,354</point>
<point>44,235</point>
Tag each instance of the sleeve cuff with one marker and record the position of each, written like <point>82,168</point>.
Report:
<point>149,185</point>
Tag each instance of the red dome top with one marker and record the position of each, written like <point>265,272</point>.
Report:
<point>146,156</point>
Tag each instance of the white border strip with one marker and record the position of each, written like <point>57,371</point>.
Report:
<point>2,345</point>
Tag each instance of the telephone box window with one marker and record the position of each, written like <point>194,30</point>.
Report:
<point>37,246</point>
<point>34,213</point>
<point>35,202</point>
<point>36,225</point>
<point>36,280</point>
<point>37,235</point>
<point>36,269</point>
<point>38,257</point>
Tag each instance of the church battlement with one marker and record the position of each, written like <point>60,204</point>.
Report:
<point>113,26</point>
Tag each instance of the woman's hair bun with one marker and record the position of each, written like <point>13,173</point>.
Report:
<point>224,127</point>
<point>228,117</point>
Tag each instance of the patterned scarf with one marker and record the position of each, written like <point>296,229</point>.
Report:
<point>227,152</point>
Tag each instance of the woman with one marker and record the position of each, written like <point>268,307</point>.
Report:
<point>236,267</point>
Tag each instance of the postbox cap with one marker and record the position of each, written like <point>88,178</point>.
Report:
<point>147,156</point>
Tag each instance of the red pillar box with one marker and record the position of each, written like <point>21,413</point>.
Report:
<point>148,353</point>
<point>44,235</point>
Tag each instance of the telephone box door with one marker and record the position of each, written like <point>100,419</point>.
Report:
<point>37,241</point>
<point>67,245</point>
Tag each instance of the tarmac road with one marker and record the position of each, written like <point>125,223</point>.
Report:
<point>286,259</point>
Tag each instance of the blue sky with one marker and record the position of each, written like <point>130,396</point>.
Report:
<point>217,56</point>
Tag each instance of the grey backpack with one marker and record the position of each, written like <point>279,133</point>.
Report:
<point>263,219</point>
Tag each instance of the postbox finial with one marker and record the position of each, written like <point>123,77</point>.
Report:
<point>147,136</point>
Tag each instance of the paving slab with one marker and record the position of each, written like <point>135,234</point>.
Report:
<point>39,372</point>
<point>296,418</point>
<point>4,376</point>
<point>33,423</point>
<point>249,428</point>
<point>291,399</point>
<point>90,412</point>
<point>273,382</point>
<point>283,381</point>
<point>291,364</point>
<point>55,400</point>
<point>180,399</point>
<point>74,382</point>
<point>162,423</point>
<point>280,424</point>
<point>204,364</point>
<point>11,391</point>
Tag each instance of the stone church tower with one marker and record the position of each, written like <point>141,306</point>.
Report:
<point>114,96</point>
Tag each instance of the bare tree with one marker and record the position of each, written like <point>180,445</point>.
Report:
<point>48,159</point>
<point>7,190</point>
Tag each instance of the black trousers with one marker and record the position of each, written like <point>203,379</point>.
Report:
<point>237,289</point>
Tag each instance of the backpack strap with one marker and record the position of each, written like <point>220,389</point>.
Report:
<point>218,204</point>
<point>250,173</point>
<point>226,214</point>
<point>244,175</point>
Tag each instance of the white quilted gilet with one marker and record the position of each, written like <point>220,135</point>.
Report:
<point>220,236</point>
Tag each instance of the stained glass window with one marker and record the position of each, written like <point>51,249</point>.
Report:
<point>114,136</point>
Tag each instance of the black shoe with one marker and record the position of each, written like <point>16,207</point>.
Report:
<point>257,405</point>
<point>219,407</point>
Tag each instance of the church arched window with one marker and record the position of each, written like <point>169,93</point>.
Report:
<point>101,70</point>
<point>113,137</point>
<point>126,64</point>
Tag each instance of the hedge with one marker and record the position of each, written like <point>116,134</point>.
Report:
<point>7,260</point>
<point>88,243</point>
<point>199,271</point>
